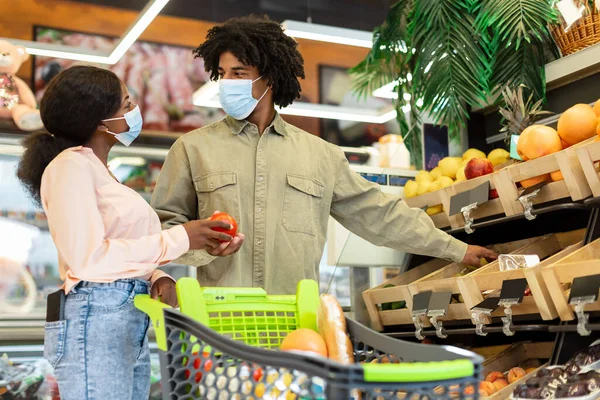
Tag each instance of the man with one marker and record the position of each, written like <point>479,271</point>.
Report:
<point>281,184</point>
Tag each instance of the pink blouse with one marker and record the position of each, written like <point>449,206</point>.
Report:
<point>102,229</point>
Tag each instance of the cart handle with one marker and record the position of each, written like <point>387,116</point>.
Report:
<point>418,371</point>
<point>154,309</point>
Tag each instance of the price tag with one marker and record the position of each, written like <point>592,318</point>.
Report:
<point>488,305</point>
<point>439,302</point>
<point>478,195</point>
<point>533,188</point>
<point>513,291</point>
<point>514,139</point>
<point>585,287</point>
<point>421,302</point>
<point>569,11</point>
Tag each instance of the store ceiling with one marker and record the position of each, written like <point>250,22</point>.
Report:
<point>355,14</point>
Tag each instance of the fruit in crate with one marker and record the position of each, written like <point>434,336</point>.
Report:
<point>500,384</point>
<point>474,153</point>
<point>423,176</point>
<point>477,167</point>
<point>493,376</point>
<point>556,176</point>
<point>515,374</point>
<point>304,339</point>
<point>498,157</point>
<point>534,181</point>
<point>597,108</point>
<point>424,187</point>
<point>433,210</point>
<point>445,181</point>
<point>487,388</point>
<point>577,124</point>
<point>410,189</point>
<point>538,141</point>
<point>460,174</point>
<point>449,166</point>
<point>436,173</point>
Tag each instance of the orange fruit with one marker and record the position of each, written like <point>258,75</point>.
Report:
<point>538,141</point>
<point>534,181</point>
<point>556,176</point>
<point>304,340</point>
<point>577,124</point>
<point>597,108</point>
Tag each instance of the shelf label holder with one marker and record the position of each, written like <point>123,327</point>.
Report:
<point>584,291</point>
<point>483,310</point>
<point>420,308</point>
<point>467,201</point>
<point>526,199</point>
<point>511,294</point>
<point>438,307</point>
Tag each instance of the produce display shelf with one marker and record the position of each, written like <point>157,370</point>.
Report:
<point>498,329</point>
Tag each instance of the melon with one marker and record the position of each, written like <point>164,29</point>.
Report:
<point>304,339</point>
<point>538,141</point>
<point>577,124</point>
<point>534,181</point>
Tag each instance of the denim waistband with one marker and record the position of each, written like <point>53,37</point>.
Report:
<point>136,285</point>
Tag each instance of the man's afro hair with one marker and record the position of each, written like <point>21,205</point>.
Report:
<point>261,43</point>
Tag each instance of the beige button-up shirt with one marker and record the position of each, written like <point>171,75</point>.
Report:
<point>281,187</point>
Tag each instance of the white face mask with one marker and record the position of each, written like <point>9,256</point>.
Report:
<point>236,97</point>
<point>134,122</point>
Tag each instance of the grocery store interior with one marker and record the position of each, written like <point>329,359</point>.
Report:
<point>484,114</point>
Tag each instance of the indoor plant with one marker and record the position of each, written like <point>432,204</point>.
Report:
<point>447,56</point>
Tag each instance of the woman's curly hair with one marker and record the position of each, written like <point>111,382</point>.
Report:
<point>257,42</point>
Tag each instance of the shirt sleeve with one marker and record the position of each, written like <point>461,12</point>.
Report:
<point>76,226</point>
<point>385,220</point>
<point>175,200</point>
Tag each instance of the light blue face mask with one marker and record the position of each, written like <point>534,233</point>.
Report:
<point>236,97</point>
<point>134,120</point>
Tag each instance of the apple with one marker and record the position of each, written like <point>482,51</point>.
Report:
<point>478,167</point>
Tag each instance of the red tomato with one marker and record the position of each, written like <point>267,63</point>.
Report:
<point>257,374</point>
<point>227,218</point>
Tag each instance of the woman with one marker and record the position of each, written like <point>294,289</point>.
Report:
<point>109,239</point>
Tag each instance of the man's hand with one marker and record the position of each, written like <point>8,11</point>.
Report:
<point>476,253</point>
<point>228,248</point>
<point>164,288</point>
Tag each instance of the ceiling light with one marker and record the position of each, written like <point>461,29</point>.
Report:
<point>325,33</point>
<point>207,96</point>
<point>146,16</point>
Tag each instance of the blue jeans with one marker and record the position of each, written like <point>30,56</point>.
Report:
<point>100,350</point>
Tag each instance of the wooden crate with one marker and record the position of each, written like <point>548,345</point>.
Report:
<point>423,276</point>
<point>574,186</point>
<point>559,275</point>
<point>431,199</point>
<point>589,155</point>
<point>522,355</point>
<point>550,249</point>
<point>488,209</point>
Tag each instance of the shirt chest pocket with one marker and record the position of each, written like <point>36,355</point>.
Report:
<point>302,199</point>
<point>218,191</point>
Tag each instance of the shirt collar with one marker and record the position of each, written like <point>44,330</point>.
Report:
<point>279,125</point>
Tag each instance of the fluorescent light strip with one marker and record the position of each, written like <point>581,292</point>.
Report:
<point>330,34</point>
<point>150,11</point>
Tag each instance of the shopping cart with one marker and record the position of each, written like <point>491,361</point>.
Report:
<point>222,345</point>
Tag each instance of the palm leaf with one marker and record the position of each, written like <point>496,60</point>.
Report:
<point>451,72</point>
<point>517,20</point>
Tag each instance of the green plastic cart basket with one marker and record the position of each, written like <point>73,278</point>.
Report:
<point>222,346</point>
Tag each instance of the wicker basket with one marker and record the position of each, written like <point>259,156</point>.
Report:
<point>582,34</point>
